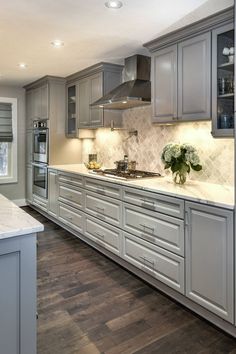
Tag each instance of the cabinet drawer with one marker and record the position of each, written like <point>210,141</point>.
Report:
<point>103,234</point>
<point>40,202</point>
<point>74,197</point>
<point>70,179</point>
<point>156,202</point>
<point>71,217</point>
<point>160,264</point>
<point>107,189</point>
<point>162,230</point>
<point>104,208</point>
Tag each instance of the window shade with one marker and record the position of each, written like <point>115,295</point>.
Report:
<point>6,134</point>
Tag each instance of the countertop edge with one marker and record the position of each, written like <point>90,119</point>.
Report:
<point>148,189</point>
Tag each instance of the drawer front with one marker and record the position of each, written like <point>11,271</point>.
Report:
<point>160,264</point>
<point>161,230</point>
<point>40,203</point>
<point>155,202</point>
<point>74,197</point>
<point>103,234</point>
<point>71,217</point>
<point>104,208</point>
<point>76,181</point>
<point>108,189</point>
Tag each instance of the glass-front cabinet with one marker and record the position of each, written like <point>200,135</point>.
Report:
<point>223,81</point>
<point>71,128</point>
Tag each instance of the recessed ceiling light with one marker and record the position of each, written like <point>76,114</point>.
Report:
<point>114,4</point>
<point>22,65</point>
<point>57,43</point>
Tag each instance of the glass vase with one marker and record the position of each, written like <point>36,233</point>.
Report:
<point>179,177</point>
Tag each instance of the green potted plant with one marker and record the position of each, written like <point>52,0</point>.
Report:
<point>180,158</point>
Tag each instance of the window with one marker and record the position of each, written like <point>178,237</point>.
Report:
<point>8,140</point>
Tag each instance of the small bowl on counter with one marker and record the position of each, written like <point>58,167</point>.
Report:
<point>93,165</point>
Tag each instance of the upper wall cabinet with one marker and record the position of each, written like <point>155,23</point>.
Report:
<point>90,85</point>
<point>37,104</point>
<point>185,72</point>
<point>181,81</point>
<point>194,78</point>
<point>164,84</point>
<point>71,110</point>
<point>223,82</point>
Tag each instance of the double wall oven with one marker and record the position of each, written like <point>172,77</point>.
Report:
<point>40,158</point>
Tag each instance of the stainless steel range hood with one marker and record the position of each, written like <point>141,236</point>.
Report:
<point>136,89</point>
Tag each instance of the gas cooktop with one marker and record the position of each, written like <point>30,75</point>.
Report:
<point>114,173</point>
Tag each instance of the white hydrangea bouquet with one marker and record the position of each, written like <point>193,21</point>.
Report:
<point>180,158</point>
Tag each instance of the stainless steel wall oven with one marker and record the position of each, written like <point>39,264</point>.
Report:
<point>40,158</point>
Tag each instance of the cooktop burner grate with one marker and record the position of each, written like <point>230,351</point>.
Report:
<point>126,175</point>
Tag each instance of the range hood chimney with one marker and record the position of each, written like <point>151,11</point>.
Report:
<point>136,88</point>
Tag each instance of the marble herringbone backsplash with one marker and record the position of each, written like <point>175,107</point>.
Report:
<point>217,155</point>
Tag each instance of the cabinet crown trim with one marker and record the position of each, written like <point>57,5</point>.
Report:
<point>45,80</point>
<point>94,69</point>
<point>206,24</point>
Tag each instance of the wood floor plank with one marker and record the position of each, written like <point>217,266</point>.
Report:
<point>87,304</point>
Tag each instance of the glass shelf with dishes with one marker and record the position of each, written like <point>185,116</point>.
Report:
<point>71,112</point>
<point>223,81</point>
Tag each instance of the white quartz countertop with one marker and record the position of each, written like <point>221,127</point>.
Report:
<point>15,221</point>
<point>207,193</point>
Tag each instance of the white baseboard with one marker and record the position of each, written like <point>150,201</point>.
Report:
<point>20,202</point>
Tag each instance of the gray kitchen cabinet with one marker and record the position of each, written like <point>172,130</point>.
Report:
<point>96,113</point>
<point>159,229</point>
<point>104,208</point>
<point>164,84</point>
<point>37,104</point>
<point>210,259</point>
<point>29,146</point>
<point>105,188</point>
<point>222,83</point>
<point>90,90</point>
<point>71,217</point>
<point>44,102</point>
<point>103,234</point>
<point>83,118</point>
<point>155,261</point>
<point>91,84</point>
<point>71,110</point>
<point>181,81</point>
<point>18,295</point>
<point>52,193</point>
<point>197,57</point>
<point>37,99</point>
<point>194,78</point>
<point>29,109</point>
<point>29,184</point>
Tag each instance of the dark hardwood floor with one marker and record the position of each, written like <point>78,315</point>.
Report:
<point>87,305</point>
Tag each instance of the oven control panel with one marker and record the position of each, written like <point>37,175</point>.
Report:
<point>40,124</point>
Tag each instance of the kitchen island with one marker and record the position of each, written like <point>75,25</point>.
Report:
<point>17,279</point>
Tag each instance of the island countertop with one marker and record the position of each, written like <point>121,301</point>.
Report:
<point>202,192</point>
<point>16,222</point>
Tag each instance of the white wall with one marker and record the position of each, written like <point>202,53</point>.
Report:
<point>16,191</point>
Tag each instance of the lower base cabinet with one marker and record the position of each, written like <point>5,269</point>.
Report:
<point>103,234</point>
<point>71,217</point>
<point>155,261</point>
<point>187,246</point>
<point>210,259</point>
<point>18,295</point>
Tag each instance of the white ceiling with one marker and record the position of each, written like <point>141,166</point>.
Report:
<point>91,32</point>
